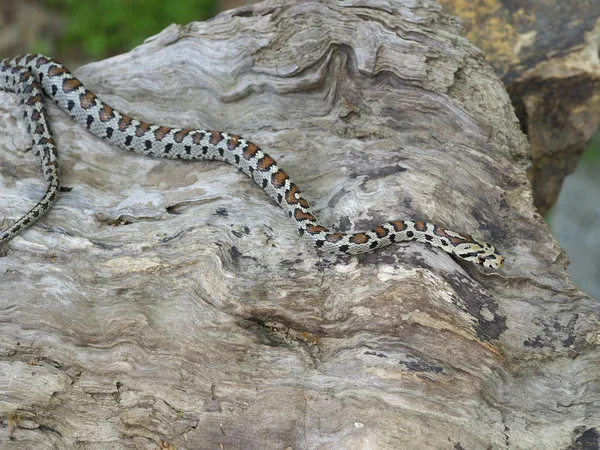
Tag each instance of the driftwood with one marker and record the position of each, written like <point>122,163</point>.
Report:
<point>546,52</point>
<point>163,303</point>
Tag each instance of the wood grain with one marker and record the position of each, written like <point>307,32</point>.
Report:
<point>163,303</point>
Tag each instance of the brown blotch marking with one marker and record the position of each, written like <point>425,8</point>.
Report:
<point>440,232</point>
<point>215,137</point>
<point>72,84</point>
<point>303,202</point>
<point>106,113</point>
<point>380,232</point>
<point>197,137</point>
<point>399,225</point>
<point>124,123</point>
<point>180,135</point>
<point>141,129</point>
<point>278,179</point>
<point>161,132</point>
<point>359,238</point>
<point>54,70</point>
<point>233,142</point>
<point>87,100</point>
<point>34,100</point>
<point>40,129</point>
<point>265,163</point>
<point>334,237</point>
<point>420,226</point>
<point>453,239</point>
<point>290,196</point>
<point>301,215</point>
<point>467,238</point>
<point>40,62</point>
<point>47,141</point>
<point>314,229</point>
<point>250,151</point>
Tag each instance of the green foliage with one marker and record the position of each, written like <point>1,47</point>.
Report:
<point>592,154</point>
<point>101,27</point>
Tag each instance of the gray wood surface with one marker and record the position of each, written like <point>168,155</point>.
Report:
<point>163,303</point>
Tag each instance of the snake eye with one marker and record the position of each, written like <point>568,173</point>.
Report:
<point>481,259</point>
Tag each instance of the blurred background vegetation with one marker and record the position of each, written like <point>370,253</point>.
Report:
<point>79,31</point>
<point>592,155</point>
<point>99,28</point>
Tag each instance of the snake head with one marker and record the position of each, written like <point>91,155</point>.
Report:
<point>493,260</point>
<point>480,252</point>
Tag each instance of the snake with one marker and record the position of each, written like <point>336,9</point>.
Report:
<point>33,76</point>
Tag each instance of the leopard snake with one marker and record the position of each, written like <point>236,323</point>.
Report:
<point>31,76</point>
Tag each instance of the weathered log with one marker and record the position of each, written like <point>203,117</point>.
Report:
<point>170,303</point>
<point>546,53</point>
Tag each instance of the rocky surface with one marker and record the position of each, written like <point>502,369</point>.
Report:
<point>546,52</point>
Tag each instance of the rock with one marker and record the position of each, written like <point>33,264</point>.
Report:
<point>546,52</point>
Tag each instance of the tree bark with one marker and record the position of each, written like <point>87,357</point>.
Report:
<point>163,303</point>
<point>546,52</point>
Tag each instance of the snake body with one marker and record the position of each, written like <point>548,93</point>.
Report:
<point>33,76</point>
